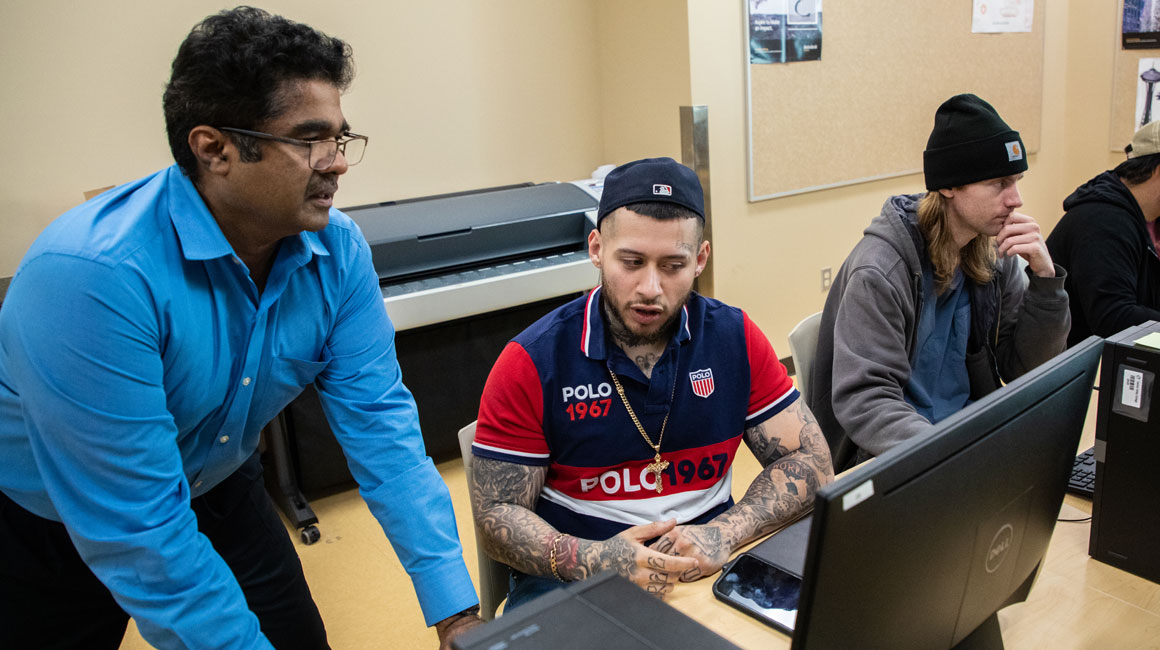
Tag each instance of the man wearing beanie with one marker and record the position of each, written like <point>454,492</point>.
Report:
<point>932,310</point>
<point>614,420</point>
<point>1107,241</point>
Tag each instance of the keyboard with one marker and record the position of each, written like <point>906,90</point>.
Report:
<point>1083,475</point>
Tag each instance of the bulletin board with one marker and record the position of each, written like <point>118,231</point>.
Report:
<point>1125,86</point>
<point>864,111</point>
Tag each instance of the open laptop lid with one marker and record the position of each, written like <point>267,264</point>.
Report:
<point>786,549</point>
<point>606,612</point>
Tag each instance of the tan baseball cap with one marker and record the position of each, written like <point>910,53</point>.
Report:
<point>1146,141</point>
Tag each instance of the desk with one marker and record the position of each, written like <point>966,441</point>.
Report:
<point>1076,602</point>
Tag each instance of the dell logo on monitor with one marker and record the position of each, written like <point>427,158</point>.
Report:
<point>1000,544</point>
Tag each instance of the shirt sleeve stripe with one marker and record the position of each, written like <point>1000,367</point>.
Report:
<point>784,400</point>
<point>499,450</point>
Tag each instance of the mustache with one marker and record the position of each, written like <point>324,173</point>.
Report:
<point>322,185</point>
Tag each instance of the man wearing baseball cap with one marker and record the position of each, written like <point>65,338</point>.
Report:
<point>607,429</point>
<point>932,310</point>
<point>1107,241</point>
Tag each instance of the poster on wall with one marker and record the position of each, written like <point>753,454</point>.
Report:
<point>998,16</point>
<point>1141,26</point>
<point>785,31</point>
<point>1147,87</point>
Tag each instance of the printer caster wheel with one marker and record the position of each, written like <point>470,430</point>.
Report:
<point>309,535</point>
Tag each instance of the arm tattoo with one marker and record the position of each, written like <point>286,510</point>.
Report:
<point>790,479</point>
<point>503,496</point>
<point>767,448</point>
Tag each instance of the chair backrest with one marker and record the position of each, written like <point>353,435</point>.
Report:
<point>493,576</point>
<point>803,345</point>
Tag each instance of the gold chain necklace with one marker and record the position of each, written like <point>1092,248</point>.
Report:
<point>658,465</point>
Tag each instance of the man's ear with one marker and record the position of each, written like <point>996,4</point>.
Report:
<point>702,258</point>
<point>595,247</point>
<point>212,148</point>
<point>948,193</point>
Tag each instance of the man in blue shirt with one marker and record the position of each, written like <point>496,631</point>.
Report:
<point>150,333</point>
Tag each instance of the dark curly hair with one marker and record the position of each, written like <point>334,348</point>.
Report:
<point>230,69</point>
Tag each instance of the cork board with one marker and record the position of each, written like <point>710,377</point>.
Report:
<point>865,110</point>
<point>1125,85</point>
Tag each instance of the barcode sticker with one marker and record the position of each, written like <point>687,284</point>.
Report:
<point>857,495</point>
<point>1133,388</point>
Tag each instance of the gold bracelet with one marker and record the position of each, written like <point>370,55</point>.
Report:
<point>552,557</point>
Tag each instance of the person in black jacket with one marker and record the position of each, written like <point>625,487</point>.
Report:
<point>1107,242</point>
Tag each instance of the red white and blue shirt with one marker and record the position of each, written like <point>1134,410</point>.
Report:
<point>550,401</point>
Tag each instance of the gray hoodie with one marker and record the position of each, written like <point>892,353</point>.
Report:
<point>866,341</point>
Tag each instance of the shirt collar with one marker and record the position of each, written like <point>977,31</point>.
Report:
<point>593,343</point>
<point>200,235</point>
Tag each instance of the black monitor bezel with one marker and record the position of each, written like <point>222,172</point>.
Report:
<point>910,462</point>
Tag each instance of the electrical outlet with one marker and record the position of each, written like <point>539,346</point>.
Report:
<point>827,275</point>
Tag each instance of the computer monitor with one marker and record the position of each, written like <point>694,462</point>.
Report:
<point>921,547</point>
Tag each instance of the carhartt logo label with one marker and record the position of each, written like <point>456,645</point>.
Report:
<point>1014,151</point>
<point>663,190</point>
<point>702,382</point>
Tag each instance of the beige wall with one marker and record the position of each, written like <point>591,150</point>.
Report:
<point>456,95</point>
<point>464,94</point>
<point>644,77</point>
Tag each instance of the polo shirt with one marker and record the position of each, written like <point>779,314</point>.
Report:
<point>550,401</point>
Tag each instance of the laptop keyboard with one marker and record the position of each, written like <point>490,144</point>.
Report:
<point>1083,475</point>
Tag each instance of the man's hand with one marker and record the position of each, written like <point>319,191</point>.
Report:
<point>651,570</point>
<point>456,624</point>
<point>1020,236</point>
<point>706,544</point>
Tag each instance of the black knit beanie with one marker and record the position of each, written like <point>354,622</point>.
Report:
<point>970,143</point>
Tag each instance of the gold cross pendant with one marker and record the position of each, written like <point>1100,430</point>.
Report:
<point>656,467</point>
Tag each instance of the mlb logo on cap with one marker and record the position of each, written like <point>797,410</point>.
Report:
<point>652,180</point>
<point>702,381</point>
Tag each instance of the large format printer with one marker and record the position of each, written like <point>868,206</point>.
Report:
<point>461,274</point>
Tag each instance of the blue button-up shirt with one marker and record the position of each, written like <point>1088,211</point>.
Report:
<point>138,364</point>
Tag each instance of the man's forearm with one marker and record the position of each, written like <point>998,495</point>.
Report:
<point>522,540</point>
<point>511,532</point>
<point>518,537</point>
<point>786,486</point>
<point>779,494</point>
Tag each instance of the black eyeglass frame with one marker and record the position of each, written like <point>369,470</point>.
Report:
<point>340,143</point>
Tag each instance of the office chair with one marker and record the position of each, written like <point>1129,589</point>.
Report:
<point>803,345</point>
<point>493,576</point>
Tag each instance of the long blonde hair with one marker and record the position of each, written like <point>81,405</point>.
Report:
<point>977,258</point>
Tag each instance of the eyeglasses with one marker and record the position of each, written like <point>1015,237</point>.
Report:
<point>322,152</point>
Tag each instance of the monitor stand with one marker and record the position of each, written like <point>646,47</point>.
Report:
<point>987,636</point>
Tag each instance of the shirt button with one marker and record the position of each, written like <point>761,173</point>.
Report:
<point>224,439</point>
<point>246,381</point>
<point>197,485</point>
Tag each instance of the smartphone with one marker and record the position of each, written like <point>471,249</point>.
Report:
<point>761,590</point>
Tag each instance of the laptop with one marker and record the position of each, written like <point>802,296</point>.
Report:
<point>606,612</point>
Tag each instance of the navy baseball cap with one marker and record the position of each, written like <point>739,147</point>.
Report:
<point>648,181</point>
